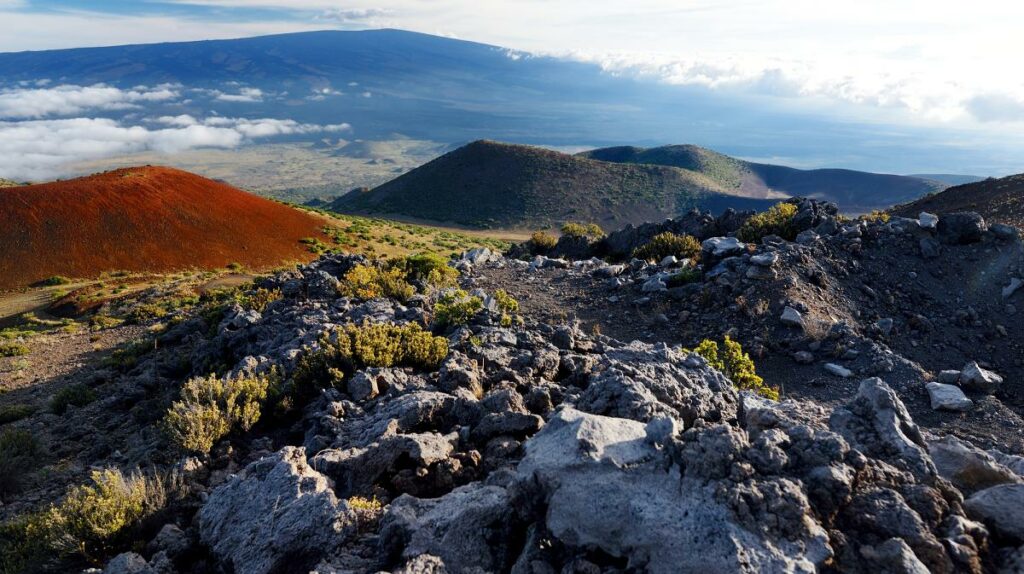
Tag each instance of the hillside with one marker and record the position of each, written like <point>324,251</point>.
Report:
<point>997,200</point>
<point>854,191</point>
<point>142,219</point>
<point>491,184</point>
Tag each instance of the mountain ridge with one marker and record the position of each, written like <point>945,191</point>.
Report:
<point>487,183</point>
<point>854,191</point>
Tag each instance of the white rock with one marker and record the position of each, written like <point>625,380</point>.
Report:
<point>723,246</point>
<point>838,370</point>
<point>765,259</point>
<point>948,397</point>
<point>927,220</point>
<point>669,261</point>
<point>975,378</point>
<point>792,317</point>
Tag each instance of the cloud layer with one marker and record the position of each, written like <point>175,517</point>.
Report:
<point>18,103</point>
<point>42,149</point>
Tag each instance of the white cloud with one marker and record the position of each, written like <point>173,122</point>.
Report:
<point>41,149</point>
<point>369,17</point>
<point>21,103</point>
<point>996,108</point>
<point>244,95</point>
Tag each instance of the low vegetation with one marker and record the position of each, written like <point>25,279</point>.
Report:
<point>541,243</point>
<point>737,365</point>
<point>19,453</point>
<point>777,220</point>
<point>588,230</point>
<point>684,276</point>
<point>456,308</point>
<point>210,408</point>
<point>508,306</point>
<point>429,269</point>
<point>668,244</point>
<point>93,521</point>
<point>13,350</point>
<point>370,282</point>
<point>14,413</point>
<point>71,396</point>
<point>353,347</point>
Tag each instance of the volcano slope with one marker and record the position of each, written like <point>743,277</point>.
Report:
<point>507,442</point>
<point>146,219</point>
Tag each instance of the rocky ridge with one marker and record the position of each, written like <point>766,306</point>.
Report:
<point>541,447</point>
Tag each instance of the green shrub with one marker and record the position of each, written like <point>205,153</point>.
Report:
<point>588,230</point>
<point>24,543</point>
<point>211,407</point>
<point>371,282</point>
<point>737,365</point>
<point>664,244</point>
<point>55,280</point>
<point>74,395</point>
<point>684,277</point>
<point>18,454</point>
<point>353,347</point>
<point>13,350</point>
<point>127,356</point>
<point>777,220</point>
<point>456,308</point>
<point>542,243</point>
<point>508,306</point>
<point>428,268</point>
<point>12,413</point>
<point>257,299</point>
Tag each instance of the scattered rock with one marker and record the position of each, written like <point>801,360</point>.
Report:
<point>961,228</point>
<point>975,378</point>
<point>838,370</point>
<point>927,220</point>
<point>792,318</point>
<point>970,469</point>
<point>948,397</point>
<point>1000,508</point>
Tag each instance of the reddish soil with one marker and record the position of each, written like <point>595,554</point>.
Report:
<point>144,219</point>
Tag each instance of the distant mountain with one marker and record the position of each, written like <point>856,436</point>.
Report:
<point>147,219</point>
<point>489,184</point>
<point>949,178</point>
<point>997,200</point>
<point>854,191</point>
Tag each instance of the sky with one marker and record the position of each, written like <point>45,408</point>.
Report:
<point>936,63</point>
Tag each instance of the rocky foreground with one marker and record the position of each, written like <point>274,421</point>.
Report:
<point>542,448</point>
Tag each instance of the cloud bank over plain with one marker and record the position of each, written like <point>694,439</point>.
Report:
<point>40,149</point>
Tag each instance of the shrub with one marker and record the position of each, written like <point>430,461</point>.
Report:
<point>18,453</point>
<point>371,282</point>
<point>428,268</point>
<point>257,299</point>
<point>542,243</point>
<point>367,511</point>
<point>211,407</point>
<point>13,350</point>
<point>737,365</point>
<point>128,355</point>
<point>876,216</point>
<point>74,395</point>
<point>777,220</point>
<point>456,308</point>
<point>369,345</point>
<point>589,230</point>
<point>507,305</point>
<point>12,413</point>
<point>684,277</point>
<point>54,280</point>
<point>664,244</point>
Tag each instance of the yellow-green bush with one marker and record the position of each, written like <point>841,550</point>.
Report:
<point>777,220</point>
<point>13,350</point>
<point>541,243</point>
<point>876,216</point>
<point>456,308</point>
<point>211,407</point>
<point>737,365</point>
<point>664,244</point>
<point>92,521</point>
<point>371,282</point>
<point>15,412</point>
<point>352,347</point>
<point>684,277</point>
<point>507,305</point>
<point>429,268</point>
<point>589,230</point>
